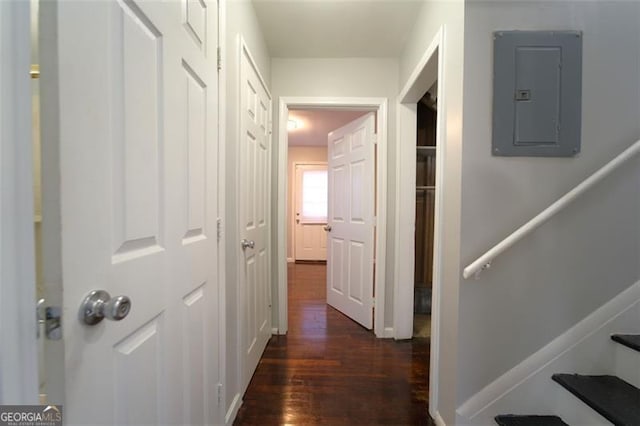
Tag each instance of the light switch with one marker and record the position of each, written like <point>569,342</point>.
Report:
<point>537,93</point>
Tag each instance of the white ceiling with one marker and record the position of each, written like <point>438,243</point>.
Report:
<point>317,124</point>
<point>336,28</point>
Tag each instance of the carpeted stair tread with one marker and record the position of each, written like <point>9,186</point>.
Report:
<point>612,397</point>
<point>516,420</point>
<point>630,340</point>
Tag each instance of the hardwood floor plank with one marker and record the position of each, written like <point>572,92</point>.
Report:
<point>331,371</point>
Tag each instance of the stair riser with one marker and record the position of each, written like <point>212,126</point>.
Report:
<point>587,348</point>
<point>627,364</point>
<point>572,410</point>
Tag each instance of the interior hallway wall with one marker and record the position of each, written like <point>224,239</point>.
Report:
<point>298,154</point>
<point>450,16</point>
<point>240,21</point>
<point>341,77</point>
<point>589,252</point>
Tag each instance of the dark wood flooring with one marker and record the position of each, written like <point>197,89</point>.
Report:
<point>329,370</point>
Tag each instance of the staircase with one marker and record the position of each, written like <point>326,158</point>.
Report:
<point>610,396</point>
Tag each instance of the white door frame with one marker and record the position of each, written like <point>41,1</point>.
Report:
<point>294,201</point>
<point>18,363</point>
<point>427,71</point>
<point>346,103</point>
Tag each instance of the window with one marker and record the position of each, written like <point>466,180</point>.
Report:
<point>314,196</point>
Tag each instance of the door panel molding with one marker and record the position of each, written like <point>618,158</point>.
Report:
<point>348,103</point>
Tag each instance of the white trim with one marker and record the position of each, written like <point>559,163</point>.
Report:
<point>233,410</point>
<point>347,103</point>
<point>222,288</point>
<point>437,418</point>
<point>290,260</point>
<point>551,352</point>
<point>427,71</point>
<point>484,261</point>
<point>18,362</point>
<point>389,332</point>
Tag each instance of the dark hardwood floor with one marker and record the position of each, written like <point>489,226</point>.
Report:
<point>329,370</point>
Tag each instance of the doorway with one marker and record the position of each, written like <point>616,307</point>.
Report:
<point>426,150</point>
<point>333,205</point>
<point>427,72</point>
<point>285,226</point>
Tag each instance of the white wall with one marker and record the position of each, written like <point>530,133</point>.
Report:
<point>588,253</point>
<point>240,21</point>
<point>298,154</point>
<point>343,77</point>
<point>450,16</point>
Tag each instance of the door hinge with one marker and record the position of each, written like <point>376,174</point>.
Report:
<point>375,138</point>
<point>219,393</point>
<point>50,319</point>
<point>219,228</point>
<point>219,58</point>
<point>373,302</point>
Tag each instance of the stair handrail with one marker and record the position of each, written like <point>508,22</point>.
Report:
<point>484,261</point>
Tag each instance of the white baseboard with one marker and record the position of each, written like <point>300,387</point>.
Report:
<point>584,348</point>
<point>388,333</point>
<point>438,419</point>
<point>274,331</point>
<point>290,260</point>
<point>232,412</point>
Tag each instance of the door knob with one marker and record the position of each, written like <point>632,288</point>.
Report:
<point>99,305</point>
<point>244,243</point>
<point>327,228</point>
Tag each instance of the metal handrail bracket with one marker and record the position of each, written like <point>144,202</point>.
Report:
<point>484,261</point>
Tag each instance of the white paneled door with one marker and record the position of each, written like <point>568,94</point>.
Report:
<point>255,223</point>
<point>311,193</point>
<point>351,220</point>
<point>138,180</point>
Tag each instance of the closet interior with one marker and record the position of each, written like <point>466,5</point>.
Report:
<point>425,209</point>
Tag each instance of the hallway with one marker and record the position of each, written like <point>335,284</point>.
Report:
<point>329,370</point>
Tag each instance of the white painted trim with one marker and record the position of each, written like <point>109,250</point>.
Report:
<point>347,103</point>
<point>552,351</point>
<point>281,225</point>
<point>233,410</point>
<point>222,280</point>
<point>438,419</point>
<point>389,333</point>
<point>293,202</point>
<point>426,72</point>
<point>18,362</point>
<point>290,260</point>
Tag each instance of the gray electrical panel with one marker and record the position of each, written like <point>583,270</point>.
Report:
<point>537,93</point>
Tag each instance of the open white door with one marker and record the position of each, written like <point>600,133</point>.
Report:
<point>137,108</point>
<point>351,220</point>
<point>254,249</point>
